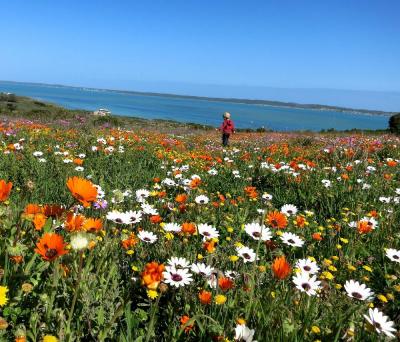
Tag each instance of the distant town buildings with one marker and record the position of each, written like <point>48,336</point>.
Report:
<point>102,112</point>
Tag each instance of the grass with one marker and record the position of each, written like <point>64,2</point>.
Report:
<point>106,287</point>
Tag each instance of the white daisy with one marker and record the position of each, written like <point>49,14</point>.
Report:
<point>246,253</point>
<point>307,284</point>
<point>231,274</point>
<point>178,262</point>
<point>291,239</point>
<point>202,269</point>
<point>358,291</point>
<point>147,236</point>
<point>380,322</point>
<point>141,195</point>
<point>307,266</point>
<point>37,153</point>
<point>132,217</point>
<point>172,227</point>
<point>79,168</point>
<point>289,209</point>
<point>149,209</point>
<point>266,197</point>
<point>258,232</point>
<point>115,216</point>
<point>177,277</point>
<point>207,231</point>
<point>393,254</point>
<point>243,333</point>
<point>202,199</point>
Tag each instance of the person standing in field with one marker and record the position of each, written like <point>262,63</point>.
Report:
<point>227,128</point>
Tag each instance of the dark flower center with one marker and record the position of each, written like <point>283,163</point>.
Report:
<point>377,325</point>
<point>274,222</point>
<point>290,241</point>
<point>246,256</point>
<point>118,220</point>
<point>146,239</point>
<point>256,234</point>
<point>176,277</point>
<point>206,234</point>
<point>51,253</point>
<point>356,295</point>
<point>395,257</point>
<point>306,286</point>
<point>307,268</point>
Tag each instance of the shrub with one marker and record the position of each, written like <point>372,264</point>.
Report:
<point>394,123</point>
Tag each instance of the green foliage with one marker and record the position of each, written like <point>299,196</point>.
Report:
<point>394,123</point>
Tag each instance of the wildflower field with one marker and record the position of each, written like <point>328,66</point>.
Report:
<point>134,235</point>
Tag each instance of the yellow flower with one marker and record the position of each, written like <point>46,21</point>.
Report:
<point>238,244</point>
<point>328,275</point>
<point>3,295</point>
<point>382,298</point>
<point>396,288</point>
<point>50,338</point>
<point>229,229</point>
<point>234,258</point>
<point>273,295</point>
<point>199,256</point>
<point>279,233</point>
<point>351,268</point>
<point>367,268</point>
<point>169,236</point>
<point>130,251</point>
<point>135,268</point>
<point>327,262</point>
<point>220,299</point>
<point>152,294</point>
<point>315,329</point>
<point>228,238</point>
<point>262,268</point>
<point>339,246</point>
<point>390,296</point>
<point>240,321</point>
<point>338,286</point>
<point>332,268</point>
<point>335,257</point>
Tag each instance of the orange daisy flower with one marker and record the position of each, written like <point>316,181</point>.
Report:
<point>74,222</point>
<point>277,220</point>
<point>188,228</point>
<point>83,190</point>
<point>152,275</point>
<point>205,297</point>
<point>92,225</point>
<point>281,268</point>
<point>225,283</point>
<point>51,246</point>
<point>39,220</point>
<point>5,189</point>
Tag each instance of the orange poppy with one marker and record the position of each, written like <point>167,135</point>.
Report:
<point>225,283</point>
<point>74,222</point>
<point>155,219</point>
<point>184,319</point>
<point>39,220</point>
<point>152,275</point>
<point>83,190</point>
<point>53,210</point>
<point>51,246</point>
<point>317,236</point>
<point>5,189</point>
<point>32,209</point>
<point>300,221</point>
<point>130,242</point>
<point>364,227</point>
<point>205,297</point>
<point>188,228</point>
<point>92,225</point>
<point>277,220</point>
<point>209,246</point>
<point>181,198</point>
<point>281,268</point>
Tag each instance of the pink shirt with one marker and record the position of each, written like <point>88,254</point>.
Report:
<point>227,126</point>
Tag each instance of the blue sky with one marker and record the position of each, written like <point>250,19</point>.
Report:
<point>214,48</point>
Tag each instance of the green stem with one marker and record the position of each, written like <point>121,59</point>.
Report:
<point>151,324</point>
<point>54,285</point>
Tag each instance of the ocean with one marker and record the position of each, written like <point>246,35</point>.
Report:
<point>206,112</point>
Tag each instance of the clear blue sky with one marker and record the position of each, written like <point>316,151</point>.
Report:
<point>205,47</point>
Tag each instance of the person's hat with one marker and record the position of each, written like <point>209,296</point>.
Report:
<point>227,115</point>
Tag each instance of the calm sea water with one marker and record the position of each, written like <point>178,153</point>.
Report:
<point>198,111</point>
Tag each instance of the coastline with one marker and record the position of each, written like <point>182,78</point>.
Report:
<point>266,103</point>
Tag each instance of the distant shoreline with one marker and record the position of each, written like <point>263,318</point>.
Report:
<point>221,99</point>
